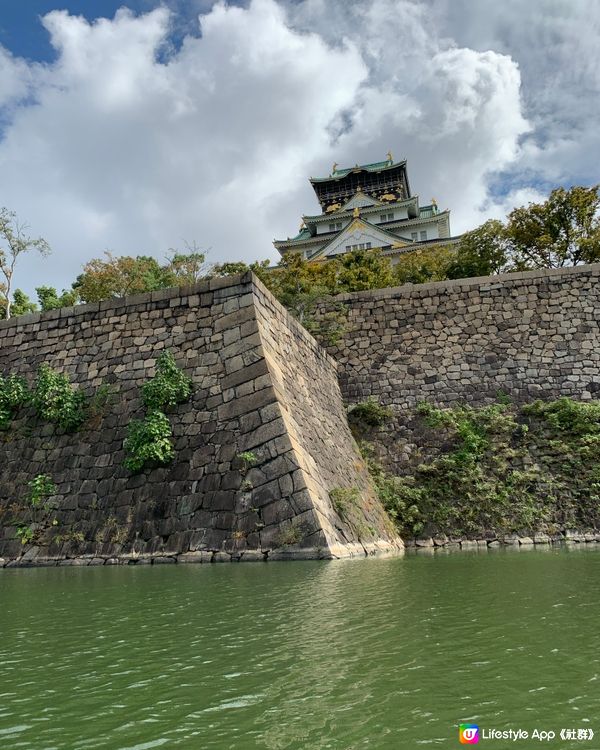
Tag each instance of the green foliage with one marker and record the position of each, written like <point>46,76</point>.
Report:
<point>170,385</point>
<point>22,305</point>
<point>148,442</point>
<point>49,299</point>
<point>370,412</point>
<point>184,268</point>
<point>579,418</point>
<point>298,283</point>
<point>25,534</point>
<point>41,488</point>
<point>248,458</point>
<point>421,265</point>
<point>229,269</point>
<point>14,393</point>
<point>288,536</point>
<point>481,252</point>
<point>119,276</point>
<point>331,325</point>
<point>55,399</point>
<point>360,270</point>
<point>564,230</point>
<point>343,499</point>
<point>14,242</point>
<point>398,495</point>
<point>499,469</point>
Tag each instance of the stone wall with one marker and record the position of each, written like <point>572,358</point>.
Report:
<point>261,385</point>
<point>526,336</point>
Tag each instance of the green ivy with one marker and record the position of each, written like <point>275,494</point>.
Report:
<point>55,399</point>
<point>14,393</point>
<point>170,385</point>
<point>148,442</point>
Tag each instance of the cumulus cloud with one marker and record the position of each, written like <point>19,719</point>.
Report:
<point>130,143</point>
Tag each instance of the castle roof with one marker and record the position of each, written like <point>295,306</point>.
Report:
<point>378,166</point>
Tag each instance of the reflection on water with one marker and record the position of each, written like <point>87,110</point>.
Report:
<point>343,655</point>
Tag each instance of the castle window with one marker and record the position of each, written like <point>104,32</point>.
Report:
<point>414,236</point>
<point>423,236</point>
<point>386,217</point>
<point>368,245</point>
<point>335,226</point>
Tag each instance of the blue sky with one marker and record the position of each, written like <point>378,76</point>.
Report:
<point>140,129</point>
<point>22,32</point>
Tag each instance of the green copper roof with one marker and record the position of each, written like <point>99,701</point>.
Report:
<point>375,167</point>
<point>302,235</point>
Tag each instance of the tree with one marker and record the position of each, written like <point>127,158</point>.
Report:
<point>562,231</point>
<point>429,263</point>
<point>482,252</point>
<point>120,276</point>
<point>49,298</point>
<point>297,283</point>
<point>16,242</point>
<point>185,267</point>
<point>360,270</point>
<point>21,304</point>
<point>229,269</point>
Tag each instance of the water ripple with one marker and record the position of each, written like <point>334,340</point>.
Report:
<point>334,656</point>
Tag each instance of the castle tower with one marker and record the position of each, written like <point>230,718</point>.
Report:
<point>367,207</point>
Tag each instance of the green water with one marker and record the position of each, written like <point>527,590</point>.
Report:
<point>358,654</point>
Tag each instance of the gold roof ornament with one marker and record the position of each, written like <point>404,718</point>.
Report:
<point>434,202</point>
<point>356,213</point>
<point>334,168</point>
<point>333,207</point>
<point>390,157</point>
<point>359,189</point>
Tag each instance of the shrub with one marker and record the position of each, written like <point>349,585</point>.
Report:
<point>290,535</point>
<point>41,488</point>
<point>170,385</point>
<point>25,534</point>
<point>399,496</point>
<point>564,414</point>
<point>248,459</point>
<point>148,442</point>
<point>370,412</point>
<point>55,399</point>
<point>343,499</point>
<point>13,394</point>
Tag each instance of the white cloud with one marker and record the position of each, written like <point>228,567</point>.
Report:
<point>126,152</point>
<point>126,144</point>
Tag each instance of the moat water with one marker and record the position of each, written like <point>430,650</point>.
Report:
<point>360,654</point>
